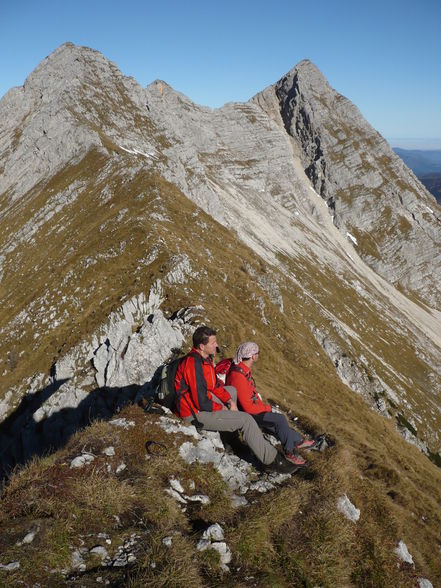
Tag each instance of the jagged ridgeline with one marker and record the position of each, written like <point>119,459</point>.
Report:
<point>129,215</point>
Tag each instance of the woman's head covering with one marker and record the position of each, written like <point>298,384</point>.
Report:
<point>245,350</point>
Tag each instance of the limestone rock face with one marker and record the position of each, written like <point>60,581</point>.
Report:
<point>370,192</point>
<point>142,353</point>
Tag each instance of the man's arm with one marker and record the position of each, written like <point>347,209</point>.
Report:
<point>223,395</point>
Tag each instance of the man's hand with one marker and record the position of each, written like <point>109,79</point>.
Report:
<point>232,405</point>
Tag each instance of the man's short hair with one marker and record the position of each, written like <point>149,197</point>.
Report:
<point>201,335</point>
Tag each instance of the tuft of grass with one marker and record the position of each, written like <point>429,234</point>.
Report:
<point>164,567</point>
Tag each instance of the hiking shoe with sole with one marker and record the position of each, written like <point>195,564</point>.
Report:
<point>281,465</point>
<point>295,458</point>
<point>306,444</point>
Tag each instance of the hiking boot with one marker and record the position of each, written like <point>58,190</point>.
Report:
<point>306,444</point>
<point>281,465</point>
<point>295,458</point>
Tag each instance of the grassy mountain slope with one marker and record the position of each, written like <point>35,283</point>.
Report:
<point>293,536</point>
<point>394,485</point>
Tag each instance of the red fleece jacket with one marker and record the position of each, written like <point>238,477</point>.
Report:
<point>197,380</point>
<point>247,396</point>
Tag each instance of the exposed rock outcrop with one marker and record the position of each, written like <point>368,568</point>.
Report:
<point>95,379</point>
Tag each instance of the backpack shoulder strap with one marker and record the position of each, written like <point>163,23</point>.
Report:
<point>236,368</point>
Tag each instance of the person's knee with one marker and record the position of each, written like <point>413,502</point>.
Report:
<point>242,418</point>
<point>249,422</point>
<point>278,418</point>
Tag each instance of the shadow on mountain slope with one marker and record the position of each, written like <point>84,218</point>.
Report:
<point>23,437</point>
<point>13,429</point>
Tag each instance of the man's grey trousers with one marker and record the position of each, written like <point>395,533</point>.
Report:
<point>230,420</point>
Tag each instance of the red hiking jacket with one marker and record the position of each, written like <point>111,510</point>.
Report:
<point>197,380</point>
<point>247,397</point>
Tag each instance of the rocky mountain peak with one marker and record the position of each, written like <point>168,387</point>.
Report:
<point>308,73</point>
<point>363,182</point>
<point>75,100</point>
<point>69,65</point>
<point>160,93</point>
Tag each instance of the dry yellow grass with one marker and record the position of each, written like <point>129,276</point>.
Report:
<point>293,536</point>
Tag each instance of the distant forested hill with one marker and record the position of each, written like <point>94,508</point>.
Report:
<point>426,165</point>
<point>433,184</point>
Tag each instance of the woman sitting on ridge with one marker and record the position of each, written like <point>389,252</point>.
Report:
<point>248,399</point>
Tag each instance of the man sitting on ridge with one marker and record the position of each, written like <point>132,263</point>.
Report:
<point>239,376</point>
<point>201,397</point>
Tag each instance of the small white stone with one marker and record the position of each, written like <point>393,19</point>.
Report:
<point>403,553</point>
<point>170,425</point>
<point>10,567</point>
<point>345,506</point>
<point>29,538</point>
<point>176,485</point>
<point>81,460</point>
<point>203,544</point>
<point>214,533</point>
<point>424,583</point>
<point>262,486</point>
<point>198,498</point>
<point>121,468</point>
<point>109,451</point>
<point>77,561</point>
<point>238,501</point>
<point>223,550</point>
<point>167,541</point>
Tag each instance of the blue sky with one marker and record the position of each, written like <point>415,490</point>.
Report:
<point>385,55</point>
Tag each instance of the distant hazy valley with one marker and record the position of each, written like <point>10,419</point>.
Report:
<point>426,165</point>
